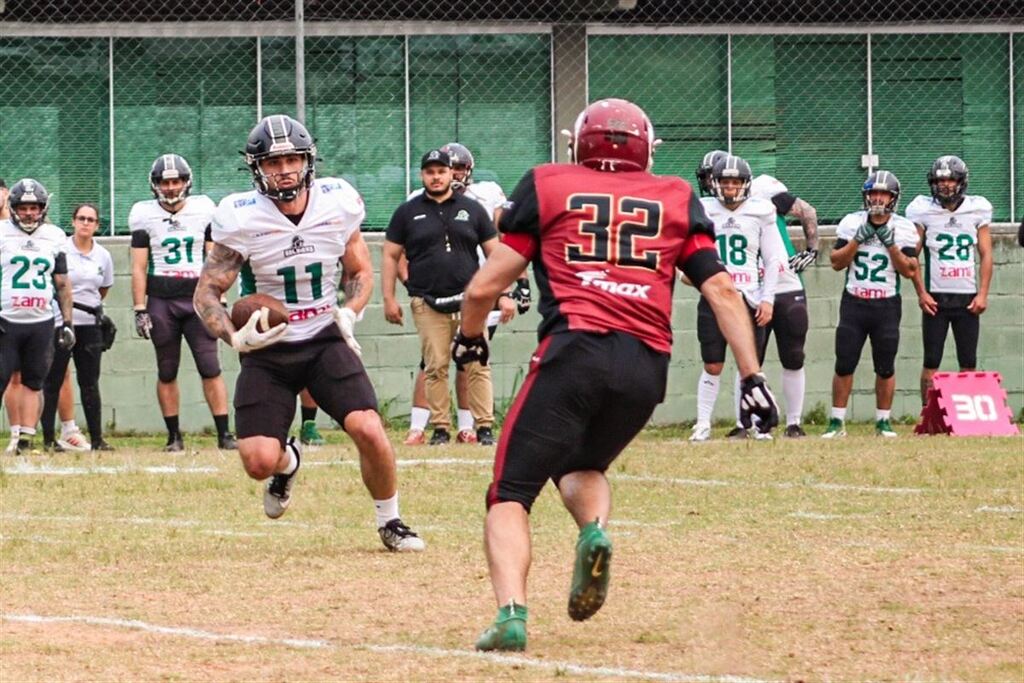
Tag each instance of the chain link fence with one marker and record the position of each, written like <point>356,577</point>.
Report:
<point>815,93</point>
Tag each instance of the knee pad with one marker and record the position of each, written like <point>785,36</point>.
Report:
<point>208,364</point>
<point>167,369</point>
<point>792,359</point>
<point>886,372</point>
<point>932,360</point>
<point>511,494</point>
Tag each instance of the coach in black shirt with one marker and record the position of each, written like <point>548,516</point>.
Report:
<point>439,232</point>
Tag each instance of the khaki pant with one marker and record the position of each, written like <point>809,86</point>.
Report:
<point>436,332</point>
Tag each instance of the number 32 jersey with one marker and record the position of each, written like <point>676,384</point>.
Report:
<point>950,238</point>
<point>27,265</point>
<point>295,264</point>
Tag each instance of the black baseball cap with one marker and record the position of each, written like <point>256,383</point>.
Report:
<point>435,156</point>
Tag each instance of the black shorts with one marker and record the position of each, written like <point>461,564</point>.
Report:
<point>860,319</point>
<point>27,347</point>
<point>966,329</point>
<point>271,378</point>
<point>173,319</point>
<point>712,341</point>
<point>789,323</point>
<point>584,399</point>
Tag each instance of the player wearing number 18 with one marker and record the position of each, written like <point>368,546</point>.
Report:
<point>169,236</point>
<point>606,238</point>
<point>875,247</point>
<point>953,290</point>
<point>287,238</point>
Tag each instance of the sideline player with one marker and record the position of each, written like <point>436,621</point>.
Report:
<point>953,291</point>
<point>288,236</point>
<point>606,237</point>
<point>169,236</point>
<point>789,319</point>
<point>744,229</point>
<point>34,272</point>
<point>875,247</point>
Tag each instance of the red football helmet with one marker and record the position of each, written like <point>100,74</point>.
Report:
<point>613,135</point>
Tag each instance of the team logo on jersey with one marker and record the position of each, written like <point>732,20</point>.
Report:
<point>29,245</point>
<point>325,189</point>
<point>299,247</point>
<point>952,223</point>
<point>462,215</point>
<point>246,201</point>
<point>173,225</point>
<point>731,224</point>
<point>598,279</point>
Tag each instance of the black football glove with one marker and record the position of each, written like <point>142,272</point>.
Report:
<point>521,295</point>
<point>66,337</point>
<point>143,324</point>
<point>803,260</point>
<point>466,350</point>
<point>757,401</point>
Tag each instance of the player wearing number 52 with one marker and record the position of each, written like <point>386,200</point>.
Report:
<point>953,290</point>
<point>169,236</point>
<point>875,247</point>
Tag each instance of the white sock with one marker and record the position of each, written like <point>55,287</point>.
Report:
<point>68,427</point>
<point>293,462</point>
<point>736,400</point>
<point>387,510</point>
<point>882,414</point>
<point>28,431</point>
<point>839,413</point>
<point>15,431</point>
<point>793,390</point>
<point>707,392</point>
<point>465,420</point>
<point>418,418</point>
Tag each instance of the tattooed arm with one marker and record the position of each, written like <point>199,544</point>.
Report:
<point>358,273</point>
<point>62,285</point>
<point>219,272</point>
<point>808,217</point>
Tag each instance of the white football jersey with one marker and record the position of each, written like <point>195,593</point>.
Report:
<point>872,274</point>
<point>175,239</point>
<point>296,264</point>
<point>26,271</point>
<point>950,239</point>
<point>743,236</point>
<point>766,187</point>
<point>88,273</point>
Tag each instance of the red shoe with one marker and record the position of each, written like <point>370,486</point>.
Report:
<point>466,436</point>
<point>416,437</point>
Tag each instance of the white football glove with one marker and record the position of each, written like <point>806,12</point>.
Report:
<point>346,319</point>
<point>249,338</point>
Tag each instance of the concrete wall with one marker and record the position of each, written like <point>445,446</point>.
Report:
<point>391,353</point>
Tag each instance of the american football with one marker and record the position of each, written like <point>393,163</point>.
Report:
<point>244,307</point>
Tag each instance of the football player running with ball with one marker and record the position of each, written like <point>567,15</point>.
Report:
<point>287,238</point>
<point>875,247</point>
<point>605,237</point>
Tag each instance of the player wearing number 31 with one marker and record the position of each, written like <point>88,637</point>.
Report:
<point>606,238</point>
<point>287,238</point>
<point>169,236</point>
<point>875,247</point>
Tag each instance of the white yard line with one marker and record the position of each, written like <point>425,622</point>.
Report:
<point>553,666</point>
<point>406,462</point>
<point>1006,509</point>
<point>823,486</point>
<point>27,469</point>
<point>34,539</point>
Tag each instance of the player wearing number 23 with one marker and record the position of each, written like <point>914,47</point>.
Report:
<point>169,236</point>
<point>875,247</point>
<point>606,238</point>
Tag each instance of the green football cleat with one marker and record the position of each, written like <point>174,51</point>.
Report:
<point>836,429</point>
<point>884,428</point>
<point>591,573</point>
<point>508,632</point>
<point>309,435</point>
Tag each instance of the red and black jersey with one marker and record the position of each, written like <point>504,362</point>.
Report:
<point>605,247</point>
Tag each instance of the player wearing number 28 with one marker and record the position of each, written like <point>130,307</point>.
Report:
<point>169,236</point>
<point>875,247</point>
<point>953,290</point>
<point>606,238</point>
<point>287,238</point>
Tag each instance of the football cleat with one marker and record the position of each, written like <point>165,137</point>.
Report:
<point>175,444</point>
<point>836,429</point>
<point>73,440</point>
<point>795,431</point>
<point>737,433</point>
<point>227,442</point>
<point>465,436</point>
<point>278,494</point>
<point>508,632</point>
<point>12,445</point>
<point>399,538</point>
<point>101,445</point>
<point>485,436</point>
<point>701,432</point>
<point>309,435</point>
<point>884,428</point>
<point>415,437</point>
<point>590,573</point>
<point>53,447</point>
<point>440,437</point>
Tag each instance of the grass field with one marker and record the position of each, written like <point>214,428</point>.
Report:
<point>790,560</point>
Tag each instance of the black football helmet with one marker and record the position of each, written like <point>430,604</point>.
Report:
<point>884,181</point>
<point>169,166</point>
<point>460,156</point>
<point>280,135</point>
<point>731,166</point>
<point>28,191</point>
<point>946,167</point>
<point>704,170</point>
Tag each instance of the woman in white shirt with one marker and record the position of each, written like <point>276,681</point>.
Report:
<point>91,271</point>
